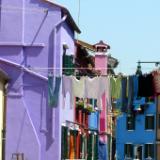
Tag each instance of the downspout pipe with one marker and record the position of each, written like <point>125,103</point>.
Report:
<point>55,43</point>
<point>4,121</point>
<point>55,72</point>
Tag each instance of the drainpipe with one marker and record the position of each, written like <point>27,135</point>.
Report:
<point>55,42</point>
<point>55,72</point>
<point>4,122</point>
<point>54,62</point>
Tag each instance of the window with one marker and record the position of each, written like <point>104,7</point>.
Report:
<point>128,149</point>
<point>130,120</point>
<point>149,151</point>
<point>149,122</point>
<point>68,65</point>
<point>138,152</point>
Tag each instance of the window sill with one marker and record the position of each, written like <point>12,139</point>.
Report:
<point>149,130</point>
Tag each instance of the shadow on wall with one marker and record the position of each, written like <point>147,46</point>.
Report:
<point>46,121</point>
<point>51,50</point>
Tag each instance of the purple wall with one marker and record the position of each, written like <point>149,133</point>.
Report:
<point>27,40</point>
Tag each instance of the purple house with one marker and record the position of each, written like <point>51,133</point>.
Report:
<point>33,35</point>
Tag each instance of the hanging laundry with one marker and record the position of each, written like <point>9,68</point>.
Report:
<point>115,84</point>
<point>130,93</point>
<point>67,87</point>
<point>124,99</point>
<point>145,85</point>
<point>95,88</point>
<point>53,95</point>
<point>103,89</point>
<point>135,85</point>
<point>102,151</point>
<point>91,87</point>
<point>93,120</point>
<point>156,81</point>
<point>108,94</point>
<point>78,87</point>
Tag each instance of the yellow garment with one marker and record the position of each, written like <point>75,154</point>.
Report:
<point>78,87</point>
<point>115,84</point>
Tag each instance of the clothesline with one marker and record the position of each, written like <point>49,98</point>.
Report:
<point>79,68</point>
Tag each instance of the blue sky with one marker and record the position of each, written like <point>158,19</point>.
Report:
<point>130,27</point>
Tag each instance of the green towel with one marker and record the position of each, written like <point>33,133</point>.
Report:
<point>53,95</point>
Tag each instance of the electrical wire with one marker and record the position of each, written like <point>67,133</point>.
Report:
<point>79,9</point>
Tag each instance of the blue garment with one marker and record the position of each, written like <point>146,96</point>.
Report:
<point>102,151</point>
<point>130,93</point>
<point>135,85</point>
<point>124,94</point>
<point>93,120</point>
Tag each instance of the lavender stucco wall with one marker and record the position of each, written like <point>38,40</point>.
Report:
<point>33,128</point>
<point>67,109</point>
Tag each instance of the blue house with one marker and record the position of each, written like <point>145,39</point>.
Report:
<point>136,133</point>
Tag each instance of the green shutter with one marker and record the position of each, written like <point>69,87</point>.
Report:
<point>68,65</point>
<point>96,147</point>
<point>89,146</point>
<point>64,143</point>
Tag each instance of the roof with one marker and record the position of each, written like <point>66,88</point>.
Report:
<point>69,19</point>
<point>112,62</point>
<point>86,45</point>
<point>101,43</point>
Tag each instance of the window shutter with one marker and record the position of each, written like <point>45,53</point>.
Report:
<point>128,150</point>
<point>131,150</point>
<point>130,122</point>
<point>149,122</point>
<point>149,150</point>
<point>152,150</point>
<point>146,123</point>
<point>64,142</point>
